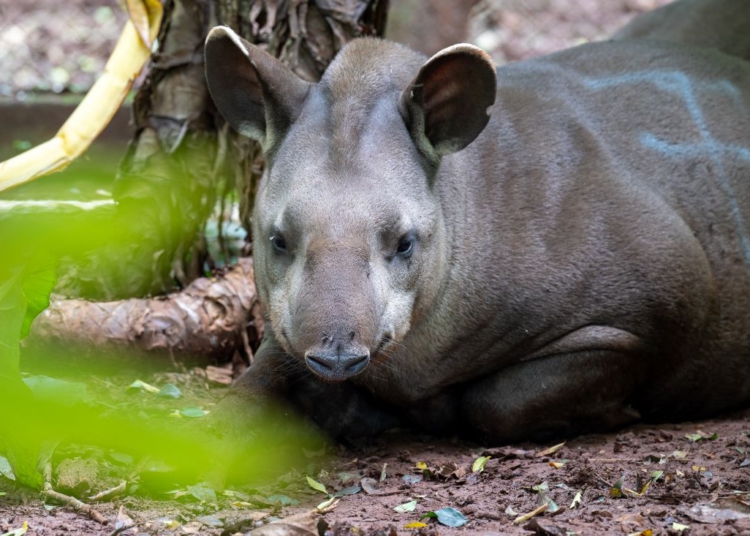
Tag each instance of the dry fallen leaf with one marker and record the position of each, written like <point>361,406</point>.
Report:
<point>549,451</point>
<point>329,504</point>
<point>220,375</point>
<point>525,517</point>
<point>370,485</point>
<point>303,524</point>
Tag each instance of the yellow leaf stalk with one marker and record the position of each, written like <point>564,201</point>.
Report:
<point>96,110</point>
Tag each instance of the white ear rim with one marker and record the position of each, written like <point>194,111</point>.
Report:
<point>217,31</point>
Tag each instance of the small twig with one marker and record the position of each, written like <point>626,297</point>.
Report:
<point>66,499</point>
<point>119,530</point>
<point>490,516</point>
<point>107,493</point>
<point>613,460</point>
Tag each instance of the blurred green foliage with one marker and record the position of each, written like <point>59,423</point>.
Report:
<point>38,414</point>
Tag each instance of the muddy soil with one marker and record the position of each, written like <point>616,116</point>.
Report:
<point>688,478</point>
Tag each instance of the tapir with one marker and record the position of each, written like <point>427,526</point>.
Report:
<point>557,246</point>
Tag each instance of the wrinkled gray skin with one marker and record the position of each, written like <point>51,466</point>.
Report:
<point>580,260</point>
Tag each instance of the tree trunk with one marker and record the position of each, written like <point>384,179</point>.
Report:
<point>205,323</point>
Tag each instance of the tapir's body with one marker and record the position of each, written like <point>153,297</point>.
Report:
<point>584,260</point>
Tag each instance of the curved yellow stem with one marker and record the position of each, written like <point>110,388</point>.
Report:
<point>102,101</point>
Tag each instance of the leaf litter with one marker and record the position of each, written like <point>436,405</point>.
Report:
<point>518,484</point>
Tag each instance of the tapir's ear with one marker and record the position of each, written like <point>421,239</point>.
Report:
<point>446,106</point>
<point>254,91</point>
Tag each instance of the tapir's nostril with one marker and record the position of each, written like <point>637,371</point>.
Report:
<point>337,367</point>
<point>319,362</point>
<point>352,334</point>
<point>357,363</point>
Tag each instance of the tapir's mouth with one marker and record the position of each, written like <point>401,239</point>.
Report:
<point>337,367</point>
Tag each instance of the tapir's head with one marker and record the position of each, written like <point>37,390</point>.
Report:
<point>349,238</point>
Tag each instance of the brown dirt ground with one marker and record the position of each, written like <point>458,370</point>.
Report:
<point>703,485</point>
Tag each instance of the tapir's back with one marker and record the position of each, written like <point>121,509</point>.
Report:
<point>672,119</point>
<point>631,126</point>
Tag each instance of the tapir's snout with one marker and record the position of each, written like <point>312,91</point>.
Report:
<point>334,366</point>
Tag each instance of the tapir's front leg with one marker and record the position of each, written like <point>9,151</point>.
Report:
<point>554,396</point>
<point>277,385</point>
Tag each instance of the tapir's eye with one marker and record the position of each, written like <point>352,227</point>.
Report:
<point>405,246</point>
<point>278,243</point>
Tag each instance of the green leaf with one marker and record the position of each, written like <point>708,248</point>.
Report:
<point>351,490</point>
<point>616,491</point>
<point>5,469</point>
<point>19,435</point>
<point>61,392</point>
<point>551,505</point>
<point>18,532</point>
<point>576,500</point>
<point>328,502</point>
<point>479,463</point>
<point>283,500</point>
<point>170,390</point>
<point>450,517</point>
<point>192,412</point>
<point>210,521</point>
<point>317,486</point>
<point>701,436</point>
<point>120,458</point>
<point>139,385</point>
<point>202,492</point>
<point>12,311</point>
<point>406,507</point>
<point>656,475</point>
<point>39,279</point>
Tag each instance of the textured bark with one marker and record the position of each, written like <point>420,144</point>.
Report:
<point>206,322</point>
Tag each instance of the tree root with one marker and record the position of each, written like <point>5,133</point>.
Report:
<point>206,322</point>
